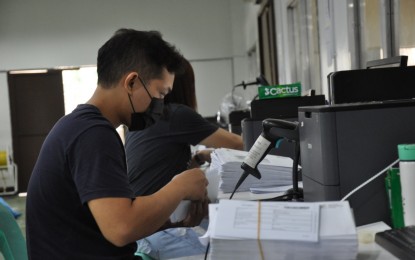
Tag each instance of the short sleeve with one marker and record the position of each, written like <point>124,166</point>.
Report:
<point>190,127</point>
<point>99,169</point>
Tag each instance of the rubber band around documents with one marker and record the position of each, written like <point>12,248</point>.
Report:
<point>259,231</point>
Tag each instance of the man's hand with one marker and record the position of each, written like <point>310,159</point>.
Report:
<point>198,210</point>
<point>199,158</point>
<point>192,183</point>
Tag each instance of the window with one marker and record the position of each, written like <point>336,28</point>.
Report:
<point>405,22</point>
<point>267,43</point>
<point>386,29</point>
<point>78,87</point>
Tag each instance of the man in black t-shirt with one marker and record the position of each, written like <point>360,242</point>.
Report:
<point>79,203</point>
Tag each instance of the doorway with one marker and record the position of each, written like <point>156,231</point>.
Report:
<point>36,103</point>
<point>38,99</point>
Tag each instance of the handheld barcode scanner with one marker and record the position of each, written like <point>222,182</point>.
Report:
<point>274,131</point>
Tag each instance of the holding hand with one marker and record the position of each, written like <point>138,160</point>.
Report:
<point>198,210</point>
<point>199,158</point>
<point>193,184</point>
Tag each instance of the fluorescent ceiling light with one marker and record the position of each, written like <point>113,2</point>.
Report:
<point>27,71</point>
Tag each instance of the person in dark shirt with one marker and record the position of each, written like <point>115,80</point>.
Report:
<point>156,154</point>
<point>79,201</point>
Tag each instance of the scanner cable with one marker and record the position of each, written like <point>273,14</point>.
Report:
<point>368,181</point>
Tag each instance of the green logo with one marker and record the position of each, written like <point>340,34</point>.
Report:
<point>280,91</point>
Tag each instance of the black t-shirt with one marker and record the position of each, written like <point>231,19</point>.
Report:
<point>156,154</point>
<point>81,159</point>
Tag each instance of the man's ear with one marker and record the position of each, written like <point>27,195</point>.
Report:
<point>130,81</point>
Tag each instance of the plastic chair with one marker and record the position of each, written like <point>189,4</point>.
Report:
<point>144,256</point>
<point>12,242</point>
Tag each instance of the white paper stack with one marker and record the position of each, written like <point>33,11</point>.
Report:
<point>275,170</point>
<point>264,190</point>
<point>288,230</point>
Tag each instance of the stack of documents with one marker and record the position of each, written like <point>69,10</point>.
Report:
<point>262,190</point>
<point>275,170</point>
<point>283,230</point>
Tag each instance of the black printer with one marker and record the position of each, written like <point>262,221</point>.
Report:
<point>344,145</point>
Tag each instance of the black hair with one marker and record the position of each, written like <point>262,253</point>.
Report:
<point>183,88</point>
<point>142,51</point>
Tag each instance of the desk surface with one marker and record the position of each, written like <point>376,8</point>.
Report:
<point>368,249</point>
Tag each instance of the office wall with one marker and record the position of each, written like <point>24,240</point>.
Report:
<point>49,33</point>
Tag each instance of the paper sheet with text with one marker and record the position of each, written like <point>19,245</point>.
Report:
<point>278,221</point>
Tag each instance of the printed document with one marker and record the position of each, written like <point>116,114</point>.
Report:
<point>267,220</point>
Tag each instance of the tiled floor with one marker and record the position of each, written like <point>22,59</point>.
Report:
<point>19,204</point>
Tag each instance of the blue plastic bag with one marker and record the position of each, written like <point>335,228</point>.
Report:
<point>15,213</point>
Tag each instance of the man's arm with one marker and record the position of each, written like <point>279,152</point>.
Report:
<point>122,220</point>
